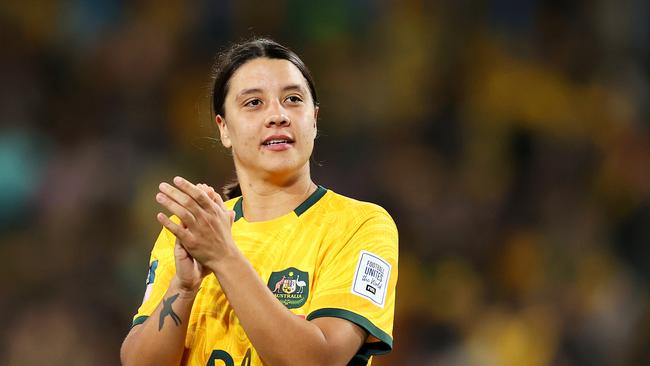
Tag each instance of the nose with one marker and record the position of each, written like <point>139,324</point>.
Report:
<point>277,117</point>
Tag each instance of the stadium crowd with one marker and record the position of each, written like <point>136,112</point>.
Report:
<point>510,141</point>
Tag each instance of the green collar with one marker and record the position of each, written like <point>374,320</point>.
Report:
<point>302,208</point>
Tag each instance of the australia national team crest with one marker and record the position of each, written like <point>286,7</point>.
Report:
<point>290,286</point>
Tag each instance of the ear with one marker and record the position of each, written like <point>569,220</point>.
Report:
<point>316,109</point>
<point>223,131</point>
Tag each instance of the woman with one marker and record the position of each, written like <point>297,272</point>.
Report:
<point>287,274</point>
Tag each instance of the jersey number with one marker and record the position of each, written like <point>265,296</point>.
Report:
<point>221,355</point>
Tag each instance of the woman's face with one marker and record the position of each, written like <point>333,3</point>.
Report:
<point>270,121</point>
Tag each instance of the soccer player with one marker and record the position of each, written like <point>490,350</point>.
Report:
<point>288,272</point>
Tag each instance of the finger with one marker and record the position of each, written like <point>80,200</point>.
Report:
<point>205,189</point>
<point>232,216</point>
<point>181,233</point>
<point>181,198</point>
<point>196,193</point>
<point>185,200</point>
<point>213,195</point>
<point>187,217</point>
<point>216,198</point>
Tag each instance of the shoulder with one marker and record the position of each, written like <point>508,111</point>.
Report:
<point>337,204</point>
<point>351,212</point>
<point>230,204</point>
<point>354,227</point>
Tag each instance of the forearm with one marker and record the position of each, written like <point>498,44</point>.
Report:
<point>263,318</point>
<point>160,339</point>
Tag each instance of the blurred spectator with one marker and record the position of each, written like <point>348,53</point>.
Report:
<point>509,140</point>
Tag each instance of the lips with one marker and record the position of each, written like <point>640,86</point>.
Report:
<point>277,140</point>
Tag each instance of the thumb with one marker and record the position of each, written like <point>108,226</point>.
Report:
<point>179,250</point>
<point>232,216</point>
<point>203,270</point>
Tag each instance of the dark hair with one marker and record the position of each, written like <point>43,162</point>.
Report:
<point>234,57</point>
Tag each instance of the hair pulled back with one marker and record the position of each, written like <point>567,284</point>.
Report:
<point>232,59</point>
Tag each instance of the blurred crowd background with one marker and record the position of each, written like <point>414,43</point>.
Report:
<point>510,141</point>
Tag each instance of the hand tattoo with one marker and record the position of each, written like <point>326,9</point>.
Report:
<point>167,310</point>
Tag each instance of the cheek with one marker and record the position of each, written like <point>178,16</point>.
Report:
<point>308,138</point>
<point>241,144</point>
<point>312,131</point>
<point>243,140</point>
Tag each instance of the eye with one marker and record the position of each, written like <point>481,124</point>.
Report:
<point>294,99</point>
<point>253,103</point>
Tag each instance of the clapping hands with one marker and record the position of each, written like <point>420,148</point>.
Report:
<point>203,235</point>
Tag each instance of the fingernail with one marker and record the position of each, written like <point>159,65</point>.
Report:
<point>159,197</point>
<point>178,180</point>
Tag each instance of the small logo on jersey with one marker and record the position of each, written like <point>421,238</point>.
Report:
<point>371,278</point>
<point>151,277</point>
<point>152,272</point>
<point>290,286</point>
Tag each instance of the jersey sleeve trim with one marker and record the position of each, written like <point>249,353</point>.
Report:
<point>139,320</point>
<point>368,349</point>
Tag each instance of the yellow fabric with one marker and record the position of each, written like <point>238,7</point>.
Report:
<point>314,256</point>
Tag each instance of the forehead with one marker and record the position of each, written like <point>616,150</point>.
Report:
<point>266,74</point>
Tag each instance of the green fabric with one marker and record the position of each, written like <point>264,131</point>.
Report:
<point>365,352</point>
<point>239,212</point>
<point>368,349</point>
<point>302,208</point>
<point>310,201</point>
<point>139,320</point>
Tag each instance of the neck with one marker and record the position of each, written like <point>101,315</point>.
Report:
<point>266,199</point>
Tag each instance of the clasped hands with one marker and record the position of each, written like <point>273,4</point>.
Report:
<point>203,236</point>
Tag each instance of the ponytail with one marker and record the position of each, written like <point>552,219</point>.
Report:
<point>231,190</point>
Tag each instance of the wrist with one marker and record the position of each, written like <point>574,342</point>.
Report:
<point>220,265</point>
<point>184,291</point>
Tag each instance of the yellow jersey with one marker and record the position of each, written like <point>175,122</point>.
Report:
<point>332,256</point>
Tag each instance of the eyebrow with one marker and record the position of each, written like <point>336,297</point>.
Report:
<point>249,91</point>
<point>297,87</point>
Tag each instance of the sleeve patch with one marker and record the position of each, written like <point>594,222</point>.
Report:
<point>152,272</point>
<point>371,278</point>
<point>151,277</point>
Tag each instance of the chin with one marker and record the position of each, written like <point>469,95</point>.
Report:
<point>280,169</point>
<point>283,169</point>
